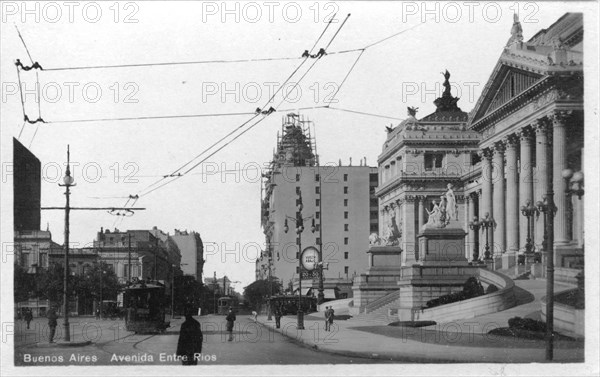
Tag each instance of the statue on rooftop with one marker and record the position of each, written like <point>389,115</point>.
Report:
<point>446,84</point>
<point>516,32</point>
<point>412,111</point>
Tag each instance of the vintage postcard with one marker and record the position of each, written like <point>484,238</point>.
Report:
<point>299,187</point>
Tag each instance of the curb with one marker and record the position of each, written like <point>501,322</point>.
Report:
<point>362,355</point>
<point>63,344</point>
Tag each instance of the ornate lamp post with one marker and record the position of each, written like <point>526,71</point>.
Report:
<point>486,223</point>
<point>68,183</point>
<point>548,208</point>
<point>475,224</point>
<point>529,211</point>
<point>299,221</point>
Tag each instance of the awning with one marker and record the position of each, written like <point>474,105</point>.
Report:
<point>329,293</point>
<point>304,291</point>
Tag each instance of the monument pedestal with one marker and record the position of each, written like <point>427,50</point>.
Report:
<point>380,278</point>
<point>509,259</point>
<point>442,269</point>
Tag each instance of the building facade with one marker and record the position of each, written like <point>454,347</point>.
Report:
<point>192,252</point>
<point>338,201</point>
<point>148,254</point>
<point>524,136</point>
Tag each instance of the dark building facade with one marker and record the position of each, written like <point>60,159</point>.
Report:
<point>27,188</point>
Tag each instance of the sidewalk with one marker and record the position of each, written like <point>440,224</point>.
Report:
<point>462,341</point>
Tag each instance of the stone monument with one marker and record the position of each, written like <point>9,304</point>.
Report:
<point>442,267</point>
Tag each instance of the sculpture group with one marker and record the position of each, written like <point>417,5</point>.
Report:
<point>443,211</point>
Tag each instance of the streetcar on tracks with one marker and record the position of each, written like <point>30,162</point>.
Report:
<point>145,307</point>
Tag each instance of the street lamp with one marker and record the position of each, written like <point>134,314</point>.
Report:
<point>486,223</point>
<point>172,290</point>
<point>299,221</point>
<point>102,273</point>
<point>68,183</point>
<point>475,224</point>
<point>529,210</point>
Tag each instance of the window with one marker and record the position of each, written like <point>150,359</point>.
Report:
<point>297,177</point>
<point>317,190</point>
<point>374,228</point>
<point>433,160</point>
<point>373,177</point>
<point>345,177</point>
<point>318,241</point>
<point>346,227</point>
<point>318,227</point>
<point>346,257</point>
<point>25,260</point>
<point>345,214</point>
<point>345,189</point>
<point>345,202</point>
<point>374,202</point>
<point>318,215</point>
<point>317,177</point>
<point>346,270</point>
<point>318,202</point>
<point>298,190</point>
<point>374,215</point>
<point>345,240</point>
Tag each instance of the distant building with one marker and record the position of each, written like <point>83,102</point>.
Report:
<point>148,253</point>
<point>338,199</point>
<point>192,253</point>
<point>27,188</point>
<point>220,286</point>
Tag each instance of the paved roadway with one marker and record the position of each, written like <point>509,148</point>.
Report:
<point>112,345</point>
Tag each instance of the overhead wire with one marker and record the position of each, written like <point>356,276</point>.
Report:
<point>241,133</point>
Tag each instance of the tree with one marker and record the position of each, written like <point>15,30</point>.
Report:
<point>256,292</point>
<point>50,283</point>
<point>188,291</point>
<point>99,282</point>
<point>24,283</point>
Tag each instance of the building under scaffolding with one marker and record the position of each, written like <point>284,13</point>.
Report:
<point>339,198</point>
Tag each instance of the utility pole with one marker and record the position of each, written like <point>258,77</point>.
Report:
<point>129,259</point>
<point>68,183</point>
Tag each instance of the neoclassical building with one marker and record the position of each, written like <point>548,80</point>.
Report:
<point>524,134</point>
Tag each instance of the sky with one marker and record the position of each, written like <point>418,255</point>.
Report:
<point>117,158</point>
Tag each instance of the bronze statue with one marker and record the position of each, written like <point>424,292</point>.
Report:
<point>412,111</point>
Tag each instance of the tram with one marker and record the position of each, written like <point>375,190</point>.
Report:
<point>289,304</point>
<point>225,303</point>
<point>146,307</point>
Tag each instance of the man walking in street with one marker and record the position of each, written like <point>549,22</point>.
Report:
<point>189,345</point>
<point>230,320</point>
<point>327,318</point>
<point>52,317</point>
<point>277,317</point>
<point>28,317</point>
<point>330,318</point>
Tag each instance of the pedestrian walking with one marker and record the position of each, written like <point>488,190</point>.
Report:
<point>189,345</point>
<point>277,317</point>
<point>327,318</point>
<point>97,313</point>
<point>28,317</point>
<point>52,317</point>
<point>331,316</point>
<point>255,315</point>
<point>230,320</point>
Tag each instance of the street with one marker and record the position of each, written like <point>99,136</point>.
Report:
<point>112,345</point>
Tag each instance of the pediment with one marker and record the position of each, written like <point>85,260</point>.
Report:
<point>506,84</point>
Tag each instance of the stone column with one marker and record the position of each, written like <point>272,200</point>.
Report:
<point>525,182</point>
<point>469,213</point>
<point>559,163</point>
<point>498,181</point>
<point>487,200</point>
<point>408,231</point>
<point>541,176</point>
<point>421,212</point>
<point>512,195</point>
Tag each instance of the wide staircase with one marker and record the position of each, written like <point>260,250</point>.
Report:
<point>377,312</point>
